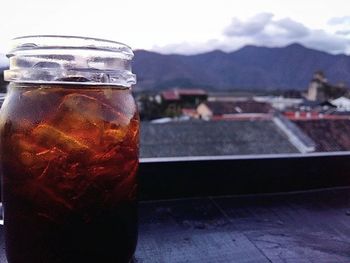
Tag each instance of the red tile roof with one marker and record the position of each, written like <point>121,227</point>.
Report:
<point>329,135</point>
<point>175,94</point>
<point>292,115</point>
<point>170,95</point>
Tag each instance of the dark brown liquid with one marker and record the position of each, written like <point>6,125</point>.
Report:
<point>69,158</point>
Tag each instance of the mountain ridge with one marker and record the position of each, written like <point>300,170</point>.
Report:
<point>251,67</point>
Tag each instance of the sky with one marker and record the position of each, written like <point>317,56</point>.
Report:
<point>184,26</point>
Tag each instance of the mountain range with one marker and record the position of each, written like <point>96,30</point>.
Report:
<point>251,67</point>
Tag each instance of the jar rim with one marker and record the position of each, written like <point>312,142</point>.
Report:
<point>60,59</point>
<point>35,42</point>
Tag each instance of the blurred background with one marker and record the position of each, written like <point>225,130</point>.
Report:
<point>218,77</point>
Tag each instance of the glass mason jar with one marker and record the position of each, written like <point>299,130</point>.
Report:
<point>69,151</point>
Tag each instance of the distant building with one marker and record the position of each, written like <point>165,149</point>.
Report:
<point>279,103</point>
<point>229,109</point>
<point>174,100</point>
<point>320,90</point>
<point>342,104</point>
<point>309,109</point>
<point>189,112</point>
<point>184,97</point>
<point>311,105</point>
<point>316,85</point>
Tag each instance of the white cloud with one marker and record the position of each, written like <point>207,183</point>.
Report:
<point>322,40</point>
<point>265,27</point>
<point>292,28</point>
<point>188,48</point>
<point>161,23</point>
<point>334,21</point>
<point>344,32</point>
<point>263,24</point>
<point>264,30</point>
<point>251,27</point>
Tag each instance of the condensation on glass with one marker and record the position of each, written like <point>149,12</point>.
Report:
<point>69,151</point>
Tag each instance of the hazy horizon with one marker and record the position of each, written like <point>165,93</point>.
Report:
<point>184,26</point>
<point>4,59</point>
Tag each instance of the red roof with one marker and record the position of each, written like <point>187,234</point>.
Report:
<point>295,116</point>
<point>175,94</point>
<point>170,95</point>
<point>329,135</point>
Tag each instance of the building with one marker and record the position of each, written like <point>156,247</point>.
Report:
<point>316,85</point>
<point>234,110</point>
<point>190,112</point>
<point>320,89</point>
<point>174,100</point>
<point>184,97</point>
<point>278,135</point>
<point>342,104</point>
<point>280,103</point>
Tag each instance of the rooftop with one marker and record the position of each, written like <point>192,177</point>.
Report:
<point>328,134</point>
<point>201,138</point>
<point>229,107</point>
<point>175,94</point>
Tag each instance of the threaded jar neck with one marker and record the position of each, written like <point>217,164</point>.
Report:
<point>69,59</point>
